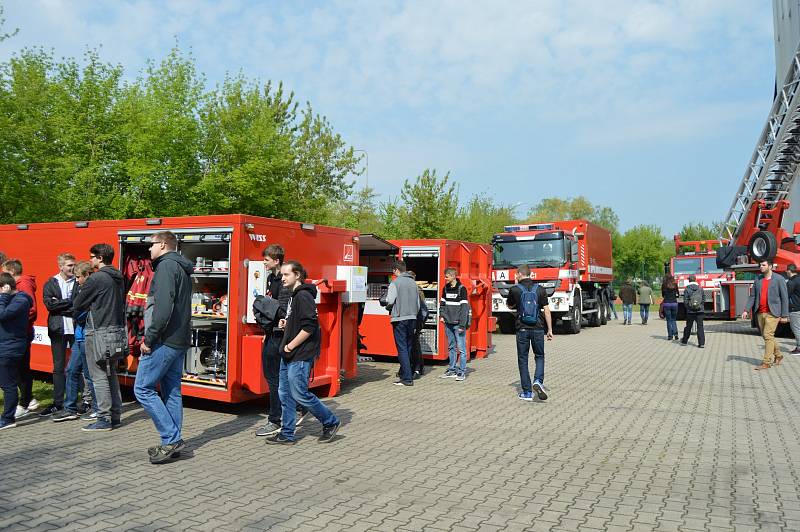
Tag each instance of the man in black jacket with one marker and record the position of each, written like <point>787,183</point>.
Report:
<point>793,289</point>
<point>299,349</point>
<point>103,295</point>
<point>270,351</point>
<point>167,336</point>
<point>57,298</point>
<point>530,335</point>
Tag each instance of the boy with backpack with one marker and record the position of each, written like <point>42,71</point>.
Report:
<point>695,310</point>
<point>533,325</point>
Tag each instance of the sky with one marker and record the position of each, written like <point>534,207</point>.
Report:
<point>652,108</point>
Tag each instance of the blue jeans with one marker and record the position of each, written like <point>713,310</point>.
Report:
<point>404,340</point>
<point>164,367</point>
<point>627,312</point>
<point>77,366</point>
<point>644,311</point>
<point>671,315</point>
<point>293,390</point>
<point>613,308</point>
<point>456,343</point>
<point>527,339</point>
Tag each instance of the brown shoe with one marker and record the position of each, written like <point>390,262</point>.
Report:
<point>762,366</point>
<point>778,360</point>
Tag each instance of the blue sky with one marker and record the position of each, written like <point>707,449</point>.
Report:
<point>651,108</point>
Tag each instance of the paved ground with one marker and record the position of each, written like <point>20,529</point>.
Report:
<point>639,434</point>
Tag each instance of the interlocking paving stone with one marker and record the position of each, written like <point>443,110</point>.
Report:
<point>639,434</point>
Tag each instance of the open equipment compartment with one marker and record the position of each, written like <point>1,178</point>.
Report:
<point>209,250</point>
<point>424,262</point>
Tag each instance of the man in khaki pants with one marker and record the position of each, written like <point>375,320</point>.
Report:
<point>770,302</point>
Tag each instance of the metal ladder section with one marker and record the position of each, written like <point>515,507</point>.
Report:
<point>776,159</point>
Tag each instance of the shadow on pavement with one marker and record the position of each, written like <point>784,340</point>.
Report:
<point>749,360</point>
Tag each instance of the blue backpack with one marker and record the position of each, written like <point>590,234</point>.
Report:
<point>529,305</point>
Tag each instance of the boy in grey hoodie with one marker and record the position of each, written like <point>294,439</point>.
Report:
<point>402,301</point>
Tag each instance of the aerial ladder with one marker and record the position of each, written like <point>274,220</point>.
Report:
<point>755,224</point>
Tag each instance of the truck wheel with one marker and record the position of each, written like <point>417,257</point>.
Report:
<point>506,323</point>
<point>603,310</point>
<point>574,326</point>
<point>763,246</point>
<point>594,319</point>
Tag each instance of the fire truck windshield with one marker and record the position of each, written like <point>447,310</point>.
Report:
<point>710,265</point>
<point>541,253</point>
<point>687,266</point>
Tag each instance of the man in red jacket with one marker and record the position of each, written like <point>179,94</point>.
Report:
<point>26,284</point>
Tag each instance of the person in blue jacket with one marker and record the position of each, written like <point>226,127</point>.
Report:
<point>14,307</point>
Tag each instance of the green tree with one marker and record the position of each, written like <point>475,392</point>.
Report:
<point>641,252</point>
<point>360,211</point>
<point>701,231</point>
<point>429,205</point>
<point>479,220</point>
<point>553,209</point>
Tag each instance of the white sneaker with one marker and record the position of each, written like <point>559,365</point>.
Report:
<point>34,405</point>
<point>21,412</point>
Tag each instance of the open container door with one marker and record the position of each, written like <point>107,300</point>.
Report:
<point>375,329</point>
<point>425,262</point>
<point>209,249</point>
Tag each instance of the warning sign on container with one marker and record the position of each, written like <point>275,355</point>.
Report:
<point>348,253</point>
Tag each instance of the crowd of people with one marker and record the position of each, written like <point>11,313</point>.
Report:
<point>85,302</point>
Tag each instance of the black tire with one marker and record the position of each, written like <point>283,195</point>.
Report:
<point>763,246</point>
<point>574,326</point>
<point>506,323</point>
<point>604,313</point>
<point>594,319</point>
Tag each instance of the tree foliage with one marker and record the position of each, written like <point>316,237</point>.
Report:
<point>578,208</point>
<point>640,252</point>
<point>701,231</point>
<point>77,142</point>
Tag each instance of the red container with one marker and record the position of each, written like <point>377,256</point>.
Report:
<point>224,364</point>
<point>427,259</point>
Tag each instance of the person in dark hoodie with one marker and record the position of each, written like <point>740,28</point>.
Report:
<point>14,307</point>
<point>270,351</point>
<point>26,284</point>
<point>693,316</point>
<point>454,312</point>
<point>103,296</point>
<point>530,335</point>
<point>299,349</point>
<point>628,296</point>
<point>167,336</point>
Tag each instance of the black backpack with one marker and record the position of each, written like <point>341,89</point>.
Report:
<point>694,302</point>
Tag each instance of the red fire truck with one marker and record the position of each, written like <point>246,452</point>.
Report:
<point>571,259</point>
<point>224,362</point>
<point>699,258</point>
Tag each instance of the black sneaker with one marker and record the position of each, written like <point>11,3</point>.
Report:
<point>84,407</point>
<point>401,383</point>
<point>50,410</point>
<point>540,393</point>
<point>683,343</point>
<point>117,423</point>
<point>268,429</point>
<point>328,432</point>
<point>64,415</point>
<point>176,452</point>
<point>163,453</point>
<point>279,439</point>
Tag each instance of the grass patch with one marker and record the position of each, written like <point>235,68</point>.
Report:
<point>42,391</point>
